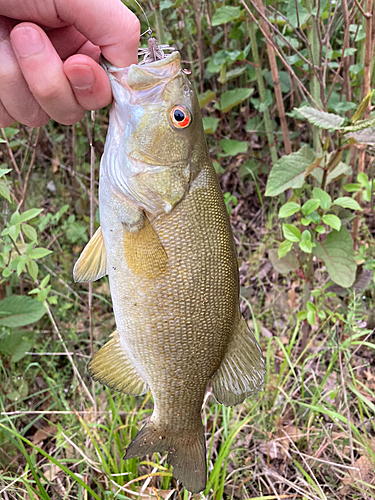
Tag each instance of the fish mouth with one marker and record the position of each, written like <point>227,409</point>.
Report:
<point>147,75</point>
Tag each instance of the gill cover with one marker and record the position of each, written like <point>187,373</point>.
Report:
<point>147,157</point>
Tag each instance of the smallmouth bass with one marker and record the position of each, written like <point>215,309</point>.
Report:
<point>166,243</point>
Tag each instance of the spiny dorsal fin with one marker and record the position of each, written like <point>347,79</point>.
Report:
<point>144,253</point>
<point>111,366</point>
<point>92,263</point>
<point>242,370</point>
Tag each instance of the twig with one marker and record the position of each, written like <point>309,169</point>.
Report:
<point>12,159</point>
<point>92,215</point>
<point>32,161</point>
<point>75,370</point>
<point>288,67</point>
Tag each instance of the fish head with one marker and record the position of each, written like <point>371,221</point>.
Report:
<point>154,132</point>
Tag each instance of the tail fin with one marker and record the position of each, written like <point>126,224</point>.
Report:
<point>187,453</point>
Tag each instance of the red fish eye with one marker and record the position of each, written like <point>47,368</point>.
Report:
<point>180,117</point>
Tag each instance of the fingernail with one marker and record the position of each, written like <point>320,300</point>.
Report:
<point>27,41</point>
<point>81,76</point>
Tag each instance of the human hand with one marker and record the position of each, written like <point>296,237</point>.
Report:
<point>49,65</point>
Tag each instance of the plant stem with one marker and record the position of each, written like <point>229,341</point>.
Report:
<point>276,80</point>
<point>369,48</point>
<point>314,83</point>
<point>261,90</point>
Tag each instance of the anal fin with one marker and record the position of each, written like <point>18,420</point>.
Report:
<point>242,370</point>
<point>111,367</point>
<point>144,252</point>
<point>92,263</point>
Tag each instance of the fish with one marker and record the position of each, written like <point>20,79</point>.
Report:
<point>166,243</point>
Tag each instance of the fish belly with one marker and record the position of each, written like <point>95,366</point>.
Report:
<point>176,327</point>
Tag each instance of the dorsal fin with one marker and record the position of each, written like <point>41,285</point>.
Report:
<point>92,263</point>
<point>111,367</point>
<point>144,252</point>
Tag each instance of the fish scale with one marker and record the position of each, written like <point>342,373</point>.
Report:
<point>167,246</point>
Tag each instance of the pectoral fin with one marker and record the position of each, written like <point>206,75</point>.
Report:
<point>111,367</point>
<point>243,369</point>
<point>92,263</point>
<point>144,252</point>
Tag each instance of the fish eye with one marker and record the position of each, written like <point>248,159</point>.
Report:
<point>180,117</point>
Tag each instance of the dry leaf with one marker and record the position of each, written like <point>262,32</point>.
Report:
<point>293,298</point>
<point>50,471</point>
<point>55,163</point>
<point>44,433</point>
<point>364,471</point>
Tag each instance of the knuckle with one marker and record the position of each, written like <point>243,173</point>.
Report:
<point>50,92</point>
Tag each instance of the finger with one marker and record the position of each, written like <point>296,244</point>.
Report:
<point>43,71</point>
<point>89,81</point>
<point>17,101</point>
<point>5,119</point>
<point>108,24</point>
<point>67,41</point>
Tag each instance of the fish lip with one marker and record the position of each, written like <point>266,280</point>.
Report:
<point>110,68</point>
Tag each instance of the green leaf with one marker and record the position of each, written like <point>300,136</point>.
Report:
<point>30,214</point>
<point>339,171</point>
<point>321,119</point>
<point>301,315</point>
<point>39,253</point>
<point>225,15</point>
<point>323,197</point>
<point>305,221</point>
<point>20,310</point>
<point>4,171</point>
<point>288,209</point>
<point>14,231</point>
<point>296,19</point>
<point>310,306</point>
<point>4,191</point>
<point>21,264</point>
<point>320,229</point>
<point>210,124</point>
<point>363,124</point>
<point>289,171</point>
<point>33,269</point>
<point>29,232</point>
<point>337,253</point>
<point>233,98</point>
<point>306,244</point>
<point>285,264</point>
<point>332,221</point>
<point>206,98</point>
<point>310,206</point>
<point>363,179</point>
<point>232,147</point>
<point>362,107</point>
<point>311,318</point>
<point>347,202</point>
<point>365,136</point>
<point>291,233</point>
<point>352,188</point>
<point>17,344</point>
<point>284,248</point>
<point>15,218</point>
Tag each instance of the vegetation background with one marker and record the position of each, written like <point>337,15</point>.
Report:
<point>285,91</point>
